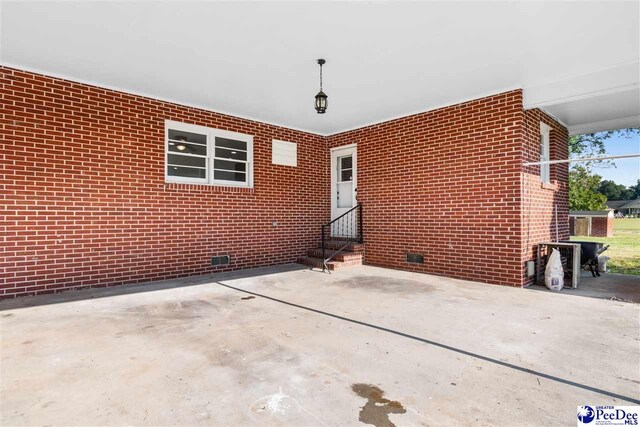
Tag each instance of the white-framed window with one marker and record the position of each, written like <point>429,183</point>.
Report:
<point>545,132</point>
<point>201,155</point>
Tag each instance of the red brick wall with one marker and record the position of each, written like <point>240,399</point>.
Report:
<point>543,203</point>
<point>85,203</point>
<point>449,184</point>
<point>601,226</point>
<point>445,184</point>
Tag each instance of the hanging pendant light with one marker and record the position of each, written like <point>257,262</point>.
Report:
<point>321,97</point>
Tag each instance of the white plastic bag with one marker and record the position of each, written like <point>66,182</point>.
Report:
<point>553,273</point>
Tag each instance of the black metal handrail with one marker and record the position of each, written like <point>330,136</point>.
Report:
<point>347,227</point>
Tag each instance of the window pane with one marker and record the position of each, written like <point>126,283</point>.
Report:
<point>231,154</point>
<point>230,166</point>
<point>186,172</point>
<point>346,175</point>
<point>230,176</point>
<point>231,143</point>
<point>346,162</point>
<point>176,159</point>
<point>178,135</point>
<point>174,147</point>
<point>544,156</point>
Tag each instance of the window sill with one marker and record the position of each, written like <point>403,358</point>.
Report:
<point>213,188</point>
<point>553,186</point>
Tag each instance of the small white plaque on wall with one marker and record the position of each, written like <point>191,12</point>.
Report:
<point>284,153</point>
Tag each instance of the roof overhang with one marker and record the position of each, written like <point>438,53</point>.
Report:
<point>599,101</point>
<point>385,59</point>
<point>608,212</point>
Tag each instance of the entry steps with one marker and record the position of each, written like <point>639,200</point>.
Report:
<point>351,255</point>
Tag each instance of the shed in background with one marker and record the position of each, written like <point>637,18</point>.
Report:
<point>591,223</point>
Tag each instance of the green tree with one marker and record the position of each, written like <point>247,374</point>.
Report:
<point>593,145</point>
<point>615,191</point>
<point>583,190</point>
<point>634,191</point>
<point>584,184</point>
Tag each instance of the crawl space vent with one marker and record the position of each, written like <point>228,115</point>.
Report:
<point>220,260</point>
<point>415,258</point>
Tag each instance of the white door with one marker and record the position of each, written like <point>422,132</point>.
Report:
<point>344,190</point>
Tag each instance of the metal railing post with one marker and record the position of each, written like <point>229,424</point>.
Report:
<point>360,226</point>
<point>343,233</point>
<point>323,253</point>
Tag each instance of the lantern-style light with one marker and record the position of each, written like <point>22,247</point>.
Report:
<point>321,97</point>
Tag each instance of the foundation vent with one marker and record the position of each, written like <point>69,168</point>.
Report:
<point>415,258</point>
<point>220,260</point>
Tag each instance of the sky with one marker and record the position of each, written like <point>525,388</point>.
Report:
<point>627,171</point>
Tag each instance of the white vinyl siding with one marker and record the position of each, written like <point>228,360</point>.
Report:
<point>201,155</point>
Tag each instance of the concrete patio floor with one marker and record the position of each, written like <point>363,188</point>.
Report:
<point>290,346</point>
<point>612,286</point>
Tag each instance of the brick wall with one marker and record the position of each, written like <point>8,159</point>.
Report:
<point>449,184</point>
<point>545,213</point>
<point>85,203</point>
<point>445,184</point>
<point>601,226</point>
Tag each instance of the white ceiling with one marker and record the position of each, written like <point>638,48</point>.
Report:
<point>609,111</point>
<point>384,59</point>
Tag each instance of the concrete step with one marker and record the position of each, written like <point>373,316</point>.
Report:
<point>342,256</point>
<point>315,262</point>
<point>337,244</point>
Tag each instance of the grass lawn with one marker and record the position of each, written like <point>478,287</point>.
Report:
<point>625,246</point>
